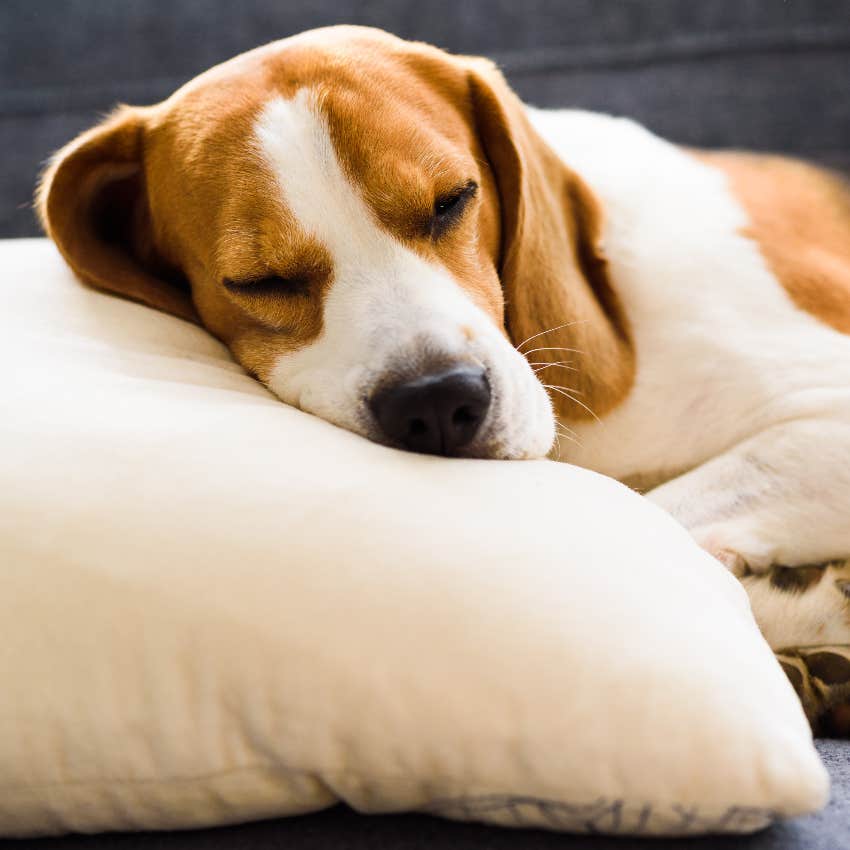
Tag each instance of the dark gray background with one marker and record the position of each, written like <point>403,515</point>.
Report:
<point>763,74</point>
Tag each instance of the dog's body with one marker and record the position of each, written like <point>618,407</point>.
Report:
<point>741,399</point>
<point>387,238</point>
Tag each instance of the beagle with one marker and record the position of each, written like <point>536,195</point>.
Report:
<point>385,236</point>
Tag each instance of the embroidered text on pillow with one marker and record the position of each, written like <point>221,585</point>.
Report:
<point>604,815</point>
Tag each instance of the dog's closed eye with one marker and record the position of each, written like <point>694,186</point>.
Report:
<point>449,207</point>
<point>269,285</point>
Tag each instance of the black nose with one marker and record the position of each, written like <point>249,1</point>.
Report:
<point>435,414</point>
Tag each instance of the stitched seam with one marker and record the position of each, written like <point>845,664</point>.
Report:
<point>153,780</point>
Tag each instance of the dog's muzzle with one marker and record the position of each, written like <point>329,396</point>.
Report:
<point>435,414</point>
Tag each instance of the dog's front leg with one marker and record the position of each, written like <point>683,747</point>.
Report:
<point>781,497</point>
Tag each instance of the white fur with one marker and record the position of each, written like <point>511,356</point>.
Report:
<point>388,311</point>
<point>814,617</point>
<point>736,387</point>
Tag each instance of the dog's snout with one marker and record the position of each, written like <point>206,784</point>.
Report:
<point>434,414</point>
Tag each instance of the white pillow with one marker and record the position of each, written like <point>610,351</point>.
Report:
<point>216,608</point>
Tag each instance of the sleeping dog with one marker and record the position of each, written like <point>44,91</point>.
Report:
<point>385,236</point>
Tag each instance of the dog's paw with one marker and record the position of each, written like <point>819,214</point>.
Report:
<point>742,553</point>
<point>821,677</point>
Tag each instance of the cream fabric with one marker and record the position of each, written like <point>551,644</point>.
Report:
<point>216,608</point>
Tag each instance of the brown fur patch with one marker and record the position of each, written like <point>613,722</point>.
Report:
<point>796,579</point>
<point>829,667</point>
<point>800,218</point>
<point>560,302</point>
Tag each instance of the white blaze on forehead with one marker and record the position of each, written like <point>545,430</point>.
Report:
<point>297,144</point>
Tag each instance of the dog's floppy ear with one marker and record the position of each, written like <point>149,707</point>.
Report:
<point>92,201</point>
<point>552,263</point>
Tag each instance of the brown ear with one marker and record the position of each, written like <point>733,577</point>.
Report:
<point>92,202</point>
<point>552,264</point>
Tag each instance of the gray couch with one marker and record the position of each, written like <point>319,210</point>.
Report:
<point>762,74</point>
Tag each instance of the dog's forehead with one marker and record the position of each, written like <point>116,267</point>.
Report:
<point>392,113</point>
<point>367,81</point>
<point>389,116</point>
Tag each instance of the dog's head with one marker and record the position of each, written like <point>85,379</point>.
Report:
<point>368,223</point>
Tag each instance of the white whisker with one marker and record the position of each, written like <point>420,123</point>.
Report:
<point>572,398</point>
<point>551,330</point>
<point>558,365</point>
<point>566,437</point>
<point>551,348</point>
<point>563,389</point>
<point>567,433</point>
<point>558,444</point>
